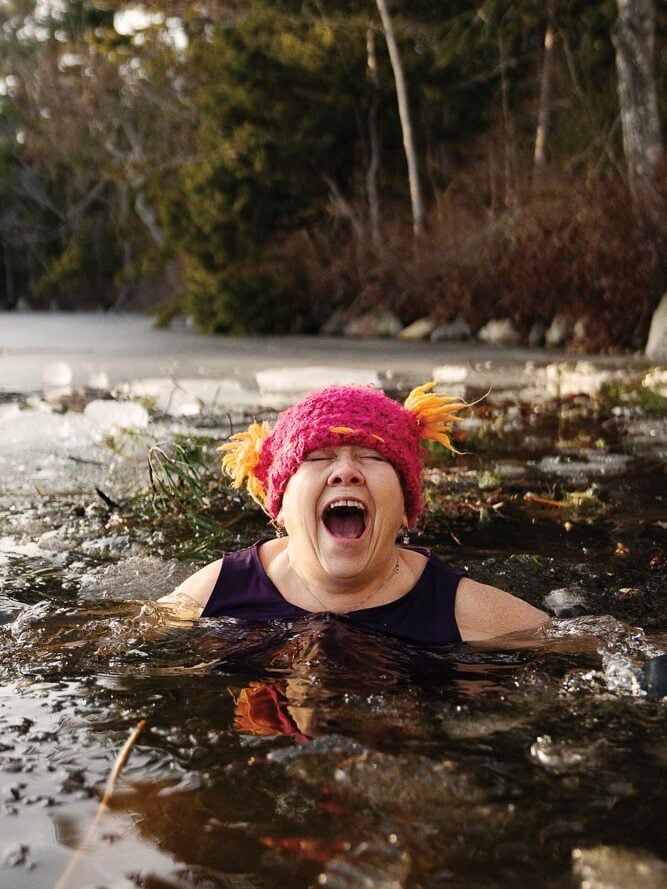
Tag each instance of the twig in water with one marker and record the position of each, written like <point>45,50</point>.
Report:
<point>545,501</point>
<point>118,766</point>
<point>105,497</point>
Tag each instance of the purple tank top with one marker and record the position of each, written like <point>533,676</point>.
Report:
<point>424,614</point>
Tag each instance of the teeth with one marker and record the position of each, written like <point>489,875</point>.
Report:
<point>354,504</point>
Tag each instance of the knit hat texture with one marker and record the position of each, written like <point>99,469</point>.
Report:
<point>337,416</point>
<point>264,460</point>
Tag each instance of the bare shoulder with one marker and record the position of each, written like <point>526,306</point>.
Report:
<point>190,597</point>
<point>484,612</point>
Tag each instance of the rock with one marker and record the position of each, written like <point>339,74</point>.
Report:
<point>377,322</point>
<point>580,330</point>
<point>536,334</point>
<point>558,331</point>
<point>418,330</point>
<point>655,676</point>
<point>335,324</point>
<point>499,332</point>
<point>454,330</point>
<point>656,379</point>
<point>610,867</point>
<point>656,344</point>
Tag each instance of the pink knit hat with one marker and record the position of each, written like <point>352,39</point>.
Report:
<point>266,459</point>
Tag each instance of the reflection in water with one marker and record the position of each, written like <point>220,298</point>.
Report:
<point>315,753</point>
<point>277,753</point>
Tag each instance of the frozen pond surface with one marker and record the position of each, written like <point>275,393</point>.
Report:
<point>312,753</point>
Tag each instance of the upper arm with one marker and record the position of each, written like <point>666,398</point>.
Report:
<point>190,597</point>
<point>484,612</point>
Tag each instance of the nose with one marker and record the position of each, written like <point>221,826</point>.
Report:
<point>346,471</point>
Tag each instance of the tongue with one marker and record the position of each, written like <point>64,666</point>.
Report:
<point>345,523</point>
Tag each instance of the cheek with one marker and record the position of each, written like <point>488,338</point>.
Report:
<point>296,503</point>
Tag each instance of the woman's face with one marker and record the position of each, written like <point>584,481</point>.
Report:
<point>342,510</point>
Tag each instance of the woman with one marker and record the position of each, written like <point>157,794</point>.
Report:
<point>340,476</point>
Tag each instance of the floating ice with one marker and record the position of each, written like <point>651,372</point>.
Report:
<point>136,577</point>
<point>622,674</point>
<point>610,867</point>
<point>110,416</point>
<point>565,602</point>
<point>579,471</point>
<point>648,435</point>
<point>8,410</point>
<point>98,379</point>
<point>298,380</point>
<point>57,374</point>
<point>450,373</point>
<point>10,546</point>
<point>46,433</point>
<point>583,378</point>
<point>656,379</point>
<point>189,397</point>
<point>558,756</point>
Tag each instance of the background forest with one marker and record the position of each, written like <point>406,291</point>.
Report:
<point>253,165</point>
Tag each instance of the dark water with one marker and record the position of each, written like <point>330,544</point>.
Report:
<point>313,753</point>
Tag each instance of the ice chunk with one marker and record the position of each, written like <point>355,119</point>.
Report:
<point>135,577</point>
<point>298,380</point>
<point>583,378</point>
<point>58,374</point>
<point>190,397</point>
<point>14,548</point>
<point>565,602</point>
<point>559,756</point>
<point>622,674</point>
<point>110,416</point>
<point>45,433</point>
<point>8,410</point>
<point>613,867</point>
<point>98,379</point>
<point>450,373</point>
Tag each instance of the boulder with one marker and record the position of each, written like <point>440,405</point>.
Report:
<point>454,330</point>
<point>500,332</point>
<point>536,334</point>
<point>335,324</point>
<point>558,331</point>
<point>418,330</point>
<point>377,322</point>
<point>656,345</point>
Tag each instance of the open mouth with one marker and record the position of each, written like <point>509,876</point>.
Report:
<point>345,518</point>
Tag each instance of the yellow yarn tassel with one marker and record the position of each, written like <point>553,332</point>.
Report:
<point>435,414</point>
<point>241,456</point>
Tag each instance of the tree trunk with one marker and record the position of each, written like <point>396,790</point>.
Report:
<point>406,125</point>
<point>508,127</point>
<point>633,38</point>
<point>544,113</point>
<point>374,140</point>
